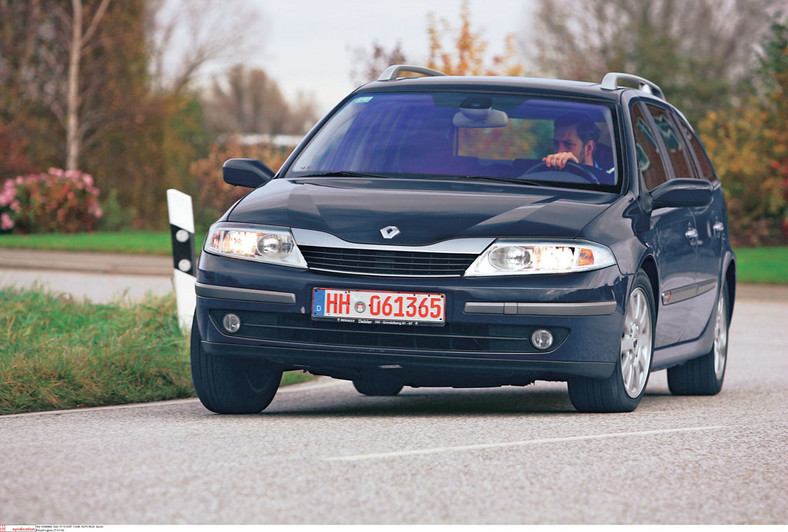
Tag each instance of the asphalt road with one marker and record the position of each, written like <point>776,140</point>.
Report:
<point>98,288</point>
<point>322,453</point>
<point>99,277</point>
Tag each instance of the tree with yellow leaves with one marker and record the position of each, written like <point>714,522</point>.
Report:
<point>457,53</point>
<point>465,54</point>
<point>748,145</point>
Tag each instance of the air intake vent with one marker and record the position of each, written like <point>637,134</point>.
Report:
<point>387,263</point>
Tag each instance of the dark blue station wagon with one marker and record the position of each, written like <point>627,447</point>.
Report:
<point>472,232</point>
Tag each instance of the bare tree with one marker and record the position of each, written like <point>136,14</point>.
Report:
<point>79,42</point>
<point>186,36</point>
<point>699,51</point>
<point>369,64</point>
<point>18,48</point>
<point>303,113</point>
<point>47,72</point>
<point>68,63</point>
<point>53,53</point>
<point>19,67</point>
<point>249,101</point>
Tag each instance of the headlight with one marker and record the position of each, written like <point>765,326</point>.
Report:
<point>512,257</point>
<point>257,243</point>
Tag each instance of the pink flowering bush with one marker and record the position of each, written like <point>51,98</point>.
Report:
<point>55,202</point>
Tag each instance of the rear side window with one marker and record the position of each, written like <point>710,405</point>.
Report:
<point>704,165</point>
<point>649,160</point>
<point>674,143</point>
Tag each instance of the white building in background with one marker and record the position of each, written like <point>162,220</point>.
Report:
<point>280,141</point>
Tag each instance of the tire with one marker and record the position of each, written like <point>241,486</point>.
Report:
<point>623,390</point>
<point>228,385</point>
<point>378,387</point>
<point>704,375</point>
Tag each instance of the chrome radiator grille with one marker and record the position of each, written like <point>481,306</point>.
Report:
<point>387,263</point>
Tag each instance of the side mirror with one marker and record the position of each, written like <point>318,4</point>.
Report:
<point>246,173</point>
<point>681,193</point>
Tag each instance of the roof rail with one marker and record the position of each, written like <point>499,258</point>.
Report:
<point>612,80</point>
<point>393,72</point>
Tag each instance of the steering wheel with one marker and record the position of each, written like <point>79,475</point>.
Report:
<point>571,166</point>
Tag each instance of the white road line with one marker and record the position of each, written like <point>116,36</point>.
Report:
<point>100,408</point>
<point>434,450</point>
<point>301,387</point>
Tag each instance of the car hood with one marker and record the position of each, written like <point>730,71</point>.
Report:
<point>424,211</point>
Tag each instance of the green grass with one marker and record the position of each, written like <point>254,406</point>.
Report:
<point>56,352</point>
<point>762,265</point>
<point>156,243</point>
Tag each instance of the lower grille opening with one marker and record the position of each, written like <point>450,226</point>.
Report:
<point>300,328</point>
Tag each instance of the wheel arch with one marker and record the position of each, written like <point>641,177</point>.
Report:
<point>730,279</point>
<point>649,267</point>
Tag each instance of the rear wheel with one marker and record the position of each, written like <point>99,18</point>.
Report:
<point>704,375</point>
<point>622,391</point>
<point>228,385</point>
<point>378,387</point>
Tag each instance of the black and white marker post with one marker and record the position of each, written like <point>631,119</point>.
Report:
<point>184,267</point>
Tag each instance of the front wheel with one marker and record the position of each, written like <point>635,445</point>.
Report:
<point>228,385</point>
<point>622,391</point>
<point>704,375</point>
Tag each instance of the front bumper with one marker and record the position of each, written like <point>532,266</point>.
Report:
<point>486,339</point>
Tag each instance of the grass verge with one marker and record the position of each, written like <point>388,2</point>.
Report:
<point>762,265</point>
<point>139,242</point>
<point>155,243</point>
<point>57,353</point>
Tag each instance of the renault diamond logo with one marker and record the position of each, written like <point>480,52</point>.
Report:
<point>389,232</point>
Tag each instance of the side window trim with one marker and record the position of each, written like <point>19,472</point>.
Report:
<point>620,155</point>
<point>663,154</point>
<point>705,154</point>
<point>641,180</point>
<point>663,148</point>
<point>682,128</point>
<point>689,134</point>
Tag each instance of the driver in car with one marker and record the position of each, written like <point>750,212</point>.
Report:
<point>574,139</point>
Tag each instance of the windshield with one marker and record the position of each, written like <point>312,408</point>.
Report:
<point>465,134</point>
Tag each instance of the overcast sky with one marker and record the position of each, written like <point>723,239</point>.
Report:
<point>308,44</point>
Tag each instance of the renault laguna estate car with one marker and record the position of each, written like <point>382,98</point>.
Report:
<point>437,230</point>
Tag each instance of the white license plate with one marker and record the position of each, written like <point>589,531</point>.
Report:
<point>374,307</point>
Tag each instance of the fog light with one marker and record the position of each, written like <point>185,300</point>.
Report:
<point>231,323</point>
<point>542,339</point>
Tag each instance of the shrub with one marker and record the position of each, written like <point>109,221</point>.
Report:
<point>741,145</point>
<point>117,215</point>
<point>56,201</point>
<point>213,196</point>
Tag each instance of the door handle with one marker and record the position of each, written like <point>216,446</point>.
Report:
<point>691,233</point>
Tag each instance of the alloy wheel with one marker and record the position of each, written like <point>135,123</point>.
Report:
<point>636,343</point>
<point>720,338</point>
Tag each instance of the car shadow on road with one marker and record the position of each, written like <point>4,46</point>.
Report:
<point>431,402</point>
<point>441,402</point>
<point>343,401</point>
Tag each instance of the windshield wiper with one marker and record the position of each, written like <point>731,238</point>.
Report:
<point>348,173</point>
<point>342,173</point>
<point>496,179</point>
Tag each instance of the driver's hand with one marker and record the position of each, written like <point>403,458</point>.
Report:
<point>559,160</point>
